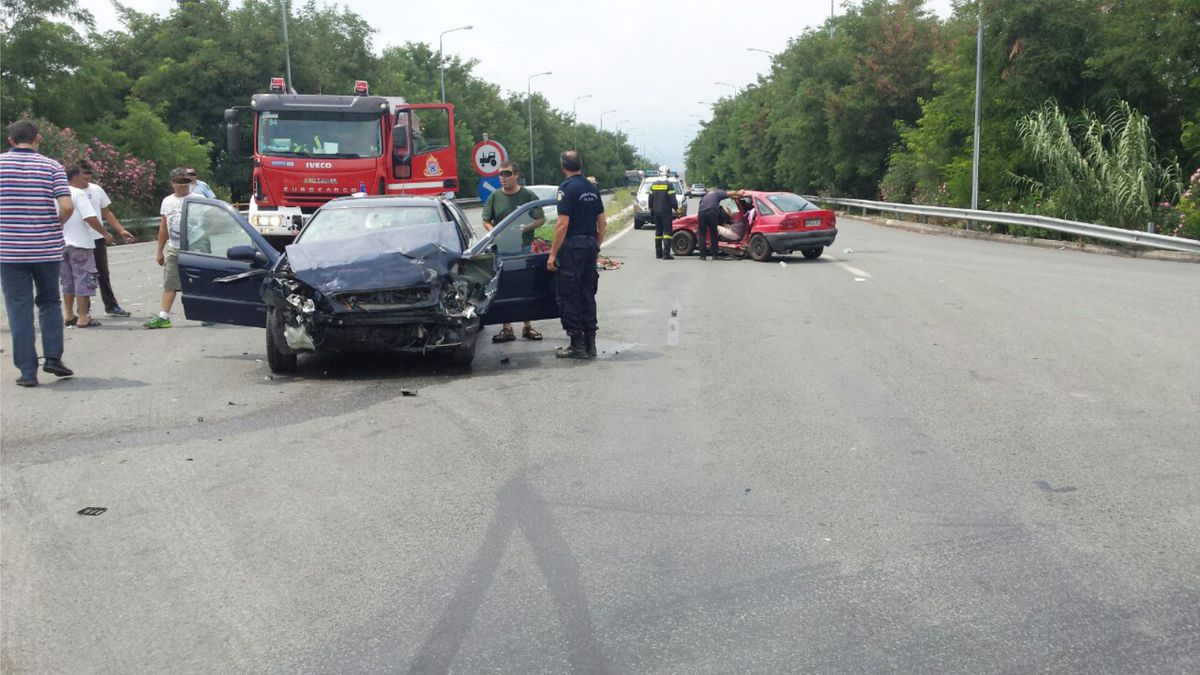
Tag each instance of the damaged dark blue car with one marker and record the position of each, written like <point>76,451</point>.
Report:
<point>396,274</point>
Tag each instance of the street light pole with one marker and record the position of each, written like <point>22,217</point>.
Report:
<point>978,107</point>
<point>442,59</point>
<point>756,49</point>
<point>287,52</point>
<point>731,86</point>
<point>602,118</point>
<point>529,97</point>
<point>575,122</point>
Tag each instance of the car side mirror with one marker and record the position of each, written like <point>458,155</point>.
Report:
<point>245,254</point>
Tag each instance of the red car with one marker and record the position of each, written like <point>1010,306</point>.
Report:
<point>783,222</point>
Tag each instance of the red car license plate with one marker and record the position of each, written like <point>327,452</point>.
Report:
<point>813,222</point>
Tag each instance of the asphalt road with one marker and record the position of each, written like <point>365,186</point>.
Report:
<point>928,455</point>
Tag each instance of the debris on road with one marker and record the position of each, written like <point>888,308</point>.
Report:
<point>91,510</point>
<point>232,403</point>
<point>408,392</point>
<point>847,250</point>
<point>505,360</point>
<point>606,263</point>
<point>783,263</point>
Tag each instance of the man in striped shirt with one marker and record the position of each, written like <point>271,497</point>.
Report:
<point>31,249</point>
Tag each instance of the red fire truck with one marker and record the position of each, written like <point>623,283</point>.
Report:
<point>310,148</point>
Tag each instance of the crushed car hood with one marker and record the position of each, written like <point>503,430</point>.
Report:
<point>372,261</point>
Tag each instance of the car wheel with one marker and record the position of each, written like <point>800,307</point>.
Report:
<point>464,355</point>
<point>760,250</point>
<point>812,253</point>
<point>637,224</point>
<point>278,360</point>
<point>683,243</point>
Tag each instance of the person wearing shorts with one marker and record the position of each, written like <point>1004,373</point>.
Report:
<point>77,275</point>
<point>170,214</point>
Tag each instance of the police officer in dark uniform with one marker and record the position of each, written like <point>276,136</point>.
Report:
<point>577,238</point>
<point>709,217</point>
<point>663,202</point>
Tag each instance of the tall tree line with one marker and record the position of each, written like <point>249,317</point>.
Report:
<point>879,102</point>
<point>157,90</point>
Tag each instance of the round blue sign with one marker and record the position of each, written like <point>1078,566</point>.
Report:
<point>487,186</point>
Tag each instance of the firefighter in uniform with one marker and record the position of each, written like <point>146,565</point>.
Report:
<point>663,202</point>
<point>577,238</point>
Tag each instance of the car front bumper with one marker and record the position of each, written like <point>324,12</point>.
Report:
<point>786,242</point>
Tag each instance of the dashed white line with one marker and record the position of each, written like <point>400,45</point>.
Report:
<point>859,274</point>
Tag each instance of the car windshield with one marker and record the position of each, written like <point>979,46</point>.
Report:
<point>314,133</point>
<point>339,223</point>
<point>790,203</point>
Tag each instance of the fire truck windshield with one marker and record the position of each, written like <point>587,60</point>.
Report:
<point>315,133</point>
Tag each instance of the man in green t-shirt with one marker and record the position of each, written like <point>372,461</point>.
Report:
<point>499,205</point>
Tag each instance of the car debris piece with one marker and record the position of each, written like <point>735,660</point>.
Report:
<point>783,263</point>
<point>232,403</point>
<point>847,250</point>
<point>408,392</point>
<point>505,360</point>
<point>91,510</point>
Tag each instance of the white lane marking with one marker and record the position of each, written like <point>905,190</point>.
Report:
<point>620,234</point>
<point>861,275</point>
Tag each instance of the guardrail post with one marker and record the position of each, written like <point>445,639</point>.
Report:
<point>1150,227</point>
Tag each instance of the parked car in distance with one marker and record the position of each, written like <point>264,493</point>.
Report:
<point>697,190</point>
<point>783,223</point>
<point>547,192</point>
<point>383,273</point>
<point>641,200</point>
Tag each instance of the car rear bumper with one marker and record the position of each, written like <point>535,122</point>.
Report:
<point>786,242</point>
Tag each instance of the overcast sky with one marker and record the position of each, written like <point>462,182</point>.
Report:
<point>617,51</point>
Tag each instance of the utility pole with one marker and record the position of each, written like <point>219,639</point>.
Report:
<point>529,95</point>
<point>978,110</point>
<point>442,58</point>
<point>575,122</point>
<point>287,52</point>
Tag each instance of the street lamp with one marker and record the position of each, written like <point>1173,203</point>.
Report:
<point>442,60</point>
<point>731,86</point>
<point>602,118</point>
<point>574,122</point>
<point>529,96</point>
<point>704,102</point>
<point>756,49</point>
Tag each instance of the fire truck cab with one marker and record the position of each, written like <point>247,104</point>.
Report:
<point>310,148</point>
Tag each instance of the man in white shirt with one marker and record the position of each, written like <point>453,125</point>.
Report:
<point>101,203</point>
<point>77,276</point>
<point>167,255</point>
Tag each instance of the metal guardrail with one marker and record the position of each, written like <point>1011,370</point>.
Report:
<point>1103,232</point>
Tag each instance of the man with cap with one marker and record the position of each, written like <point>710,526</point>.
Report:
<point>578,234</point>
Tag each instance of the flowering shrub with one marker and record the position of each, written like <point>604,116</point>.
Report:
<point>1188,224</point>
<point>128,180</point>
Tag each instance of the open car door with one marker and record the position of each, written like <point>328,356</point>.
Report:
<point>222,262</point>
<point>527,291</point>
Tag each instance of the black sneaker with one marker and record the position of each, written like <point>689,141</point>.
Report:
<point>56,367</point>
<point>27,382</point>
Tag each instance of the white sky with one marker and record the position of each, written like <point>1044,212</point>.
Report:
<point>612,51</point>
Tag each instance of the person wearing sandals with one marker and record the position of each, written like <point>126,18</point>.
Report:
<point>500,204</point>
<point>78,275</point>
